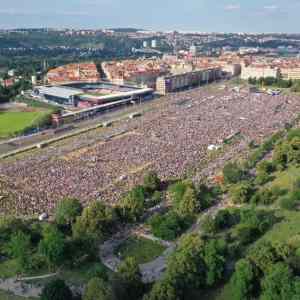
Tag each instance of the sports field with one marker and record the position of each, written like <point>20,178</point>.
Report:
<point>13,123</point>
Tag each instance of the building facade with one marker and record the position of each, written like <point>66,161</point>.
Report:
<point>175,82</point>
<point>253,71</point>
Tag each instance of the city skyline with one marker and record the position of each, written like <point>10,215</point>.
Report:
<point>202,15</point>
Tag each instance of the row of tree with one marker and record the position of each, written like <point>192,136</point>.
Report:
<point>8,93</point>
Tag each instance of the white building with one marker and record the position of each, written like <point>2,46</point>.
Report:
<point>259,71</point>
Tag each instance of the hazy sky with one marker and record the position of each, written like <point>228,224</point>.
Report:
<point>200,15</point>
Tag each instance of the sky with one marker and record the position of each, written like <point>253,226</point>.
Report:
<point>187,15</point>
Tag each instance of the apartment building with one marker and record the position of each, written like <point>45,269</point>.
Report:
<point>290,73</point>
<point>175,82</point>
<point>259,71</point>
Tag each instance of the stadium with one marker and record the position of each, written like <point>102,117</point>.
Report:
<point>81,100</point>
<point>86,95</point>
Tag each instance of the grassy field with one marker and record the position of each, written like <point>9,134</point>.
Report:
<point>143,250</point>
<point>12,123</point>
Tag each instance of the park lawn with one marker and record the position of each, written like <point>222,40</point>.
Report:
<point>12,123</point>
<point>143,250</point>
<point>8,296</point>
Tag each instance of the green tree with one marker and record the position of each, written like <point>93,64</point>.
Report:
<point>214,259</point>
<point>19,248</point>
<point>278,283</point>
<point>287,202</point>
<point>151,181</point>
<point>186,268</point>
<point>52,246</point>
<point>10,225</point>
<point>245,233</point>
<point>243,280</point>
<point>262,178</point>
<point>209,225</point>
<point>67,211</point>
<point>189,204</point>
<point>233,173</point>
<point>280,155</point>
<point>294,150</point>
<point>263,255</point>
<point>177,190</point>
<point>163,290</point>
<point>127,283</point>
<point>56,290</point>
<point>97,289</point>
<point>265,167</point>
<point>226,218</point>
<point>133,205</point>
<point>96,222</point>
<point>169,226</point>
<point>241,193</point>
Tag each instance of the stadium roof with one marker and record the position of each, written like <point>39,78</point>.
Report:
<point>61,92</point>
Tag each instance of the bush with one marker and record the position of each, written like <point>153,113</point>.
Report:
<point>127,283</point>
<point>241,193</point>
<point>262,178</point>
<point>243,280</point>
<point>209,225</point>
<point>96,222</point>
<point>98,271</point>
<point>208,196</point>
<point>79,248</point>
<point>133,205</point>
<point>292,134</point>
<point>267,196</point>
<point>10,225</point>
<point>280,156</point>
<point>98,289</point>
<point>177,190</point>
<point>152,182</point>
<point>20,249</point>
<point>56,290</point>
<point>233,173</point>
<point>265,167</point>
<point>245,233</point>
<point>155,199</point>
<point>263,149</point>
<point>189,204</point>
<point>287,202</point>
<point>52,246</point>
<point>169,226</point>
<point>226,218</point>
<point>67,211</point>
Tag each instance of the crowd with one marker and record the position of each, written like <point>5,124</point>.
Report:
<point>170,139</point>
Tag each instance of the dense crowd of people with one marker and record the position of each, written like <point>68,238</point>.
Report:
<point>170,139</point>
